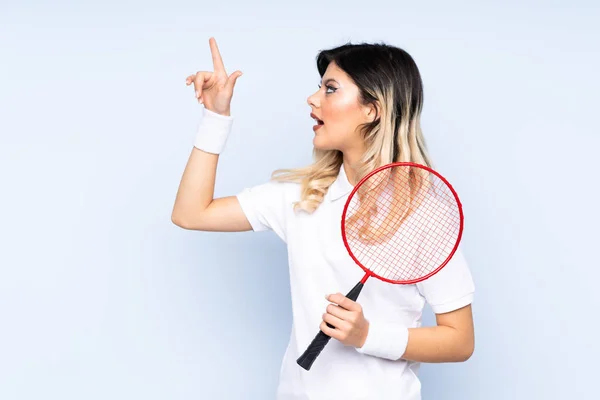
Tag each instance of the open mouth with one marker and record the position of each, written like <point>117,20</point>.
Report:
<point>317,120</point>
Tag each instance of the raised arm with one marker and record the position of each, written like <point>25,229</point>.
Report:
<point>195,208</point>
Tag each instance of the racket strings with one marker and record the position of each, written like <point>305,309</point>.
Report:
<point>402,224</point>
<point>385,201</point>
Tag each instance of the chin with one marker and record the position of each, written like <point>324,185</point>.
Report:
<point>320,143</point>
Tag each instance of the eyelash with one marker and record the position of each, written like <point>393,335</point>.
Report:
<point>329,87</point>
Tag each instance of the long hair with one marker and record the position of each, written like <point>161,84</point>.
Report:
<point>387,78</point>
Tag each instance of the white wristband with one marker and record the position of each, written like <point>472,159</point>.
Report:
<point>385,340</point>
<point>213,132</point>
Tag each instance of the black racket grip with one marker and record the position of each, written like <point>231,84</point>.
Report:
<point>313,350</point>
<point>311,353</point>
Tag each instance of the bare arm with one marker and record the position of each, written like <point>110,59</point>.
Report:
<point>195,208</point>
<point>452,340</point>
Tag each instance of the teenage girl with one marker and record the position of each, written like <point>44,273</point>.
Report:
<point>367,113</point>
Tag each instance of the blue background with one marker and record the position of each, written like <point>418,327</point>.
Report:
<point>101,296</point>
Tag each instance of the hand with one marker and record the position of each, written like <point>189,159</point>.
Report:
<point>214,89</point>
<point>351,327</point>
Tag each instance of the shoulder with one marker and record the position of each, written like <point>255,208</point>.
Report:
<point>290,190</point>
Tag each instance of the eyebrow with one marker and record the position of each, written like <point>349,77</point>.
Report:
<point>329,80</point>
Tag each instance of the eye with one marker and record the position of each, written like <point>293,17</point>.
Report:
<point>329,87</point>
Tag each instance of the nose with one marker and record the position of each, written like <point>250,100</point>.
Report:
<point>313,100</point>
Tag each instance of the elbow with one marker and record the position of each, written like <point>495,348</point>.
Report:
<point>466,355</point>
<point>177,220</point>
<point>189,221</point>
<point>466,351</point>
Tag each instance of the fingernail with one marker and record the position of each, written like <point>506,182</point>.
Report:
<point>327,297</point>
<point>197,94</point>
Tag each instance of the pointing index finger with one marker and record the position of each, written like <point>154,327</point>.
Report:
<point>216,55</point>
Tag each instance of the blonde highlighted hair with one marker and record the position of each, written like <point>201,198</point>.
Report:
<point>387,78</point>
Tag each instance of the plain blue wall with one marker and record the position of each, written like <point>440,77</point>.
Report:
<point>101,296</point>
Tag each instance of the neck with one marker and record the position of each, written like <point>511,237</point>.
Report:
<point>350,161</point>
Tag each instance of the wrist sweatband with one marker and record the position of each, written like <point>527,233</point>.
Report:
<point>385,340</point>
<point>213,132</point>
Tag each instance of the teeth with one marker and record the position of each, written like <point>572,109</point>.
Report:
<point>317,120</point>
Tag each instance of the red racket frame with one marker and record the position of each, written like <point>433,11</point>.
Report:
<point>368,273</point>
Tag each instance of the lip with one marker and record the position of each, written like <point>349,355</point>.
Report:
<point>315,127</point>
<point>312,115</point>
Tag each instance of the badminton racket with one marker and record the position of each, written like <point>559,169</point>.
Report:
<point>402,224</point>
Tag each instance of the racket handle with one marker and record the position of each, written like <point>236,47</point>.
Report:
<point>353,294</point>
<point>311,353</point>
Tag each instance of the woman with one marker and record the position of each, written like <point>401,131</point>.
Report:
<point>367,111</point>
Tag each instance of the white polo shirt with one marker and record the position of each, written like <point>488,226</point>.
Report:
<point>318,265</point>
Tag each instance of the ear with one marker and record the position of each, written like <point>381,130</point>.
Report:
<point>372,112</point>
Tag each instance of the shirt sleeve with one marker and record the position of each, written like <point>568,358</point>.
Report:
<point>450,288</point>
<point>267,206</point>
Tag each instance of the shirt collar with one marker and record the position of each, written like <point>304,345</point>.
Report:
<point>341,186</point>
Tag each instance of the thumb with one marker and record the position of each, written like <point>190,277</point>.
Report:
<point>233,78</point>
